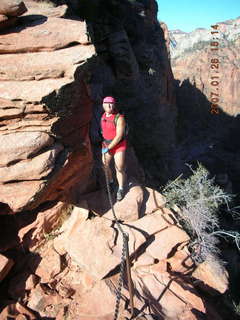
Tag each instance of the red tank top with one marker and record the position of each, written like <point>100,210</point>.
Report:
<point>108,126</point>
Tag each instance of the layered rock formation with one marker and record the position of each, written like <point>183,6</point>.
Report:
<point>76,274</point>
<point>45,111</point>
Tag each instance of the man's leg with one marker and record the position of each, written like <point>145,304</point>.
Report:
<point>119,159</point>
<point>106,159</point>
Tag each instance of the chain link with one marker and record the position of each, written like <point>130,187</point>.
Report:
<point>120,281</point>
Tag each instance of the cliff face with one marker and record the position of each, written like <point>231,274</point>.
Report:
<point>208,137</point>
<point>133,65</point>
<point>49,85</point>
<point>191,59</point>
<point>183,42</point>
<point>45,111</point>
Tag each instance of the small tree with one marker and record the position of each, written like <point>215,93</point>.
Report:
<point>199,200</point>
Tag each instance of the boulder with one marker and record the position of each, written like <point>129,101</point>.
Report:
<point>210,276</point>
<point>21,145</point>
<point>168,296</point>
<point>17,311</point>
<point>88,304</point>
<point>42,65</point>
<point>49,266</point>
<point>138,201</point>
<point>106,256</point>
<point>33,234</point>
<point>50,34</point>
<point>78,215</point>
<point>9,12</point>
<point>127,210</point>
<point>47,305</point>
<point>12,8</point>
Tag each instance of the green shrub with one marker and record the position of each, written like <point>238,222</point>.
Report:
<point>236,307</point>
<point>198,199</point>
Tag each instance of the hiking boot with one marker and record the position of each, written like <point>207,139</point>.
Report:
<point>120,194</point>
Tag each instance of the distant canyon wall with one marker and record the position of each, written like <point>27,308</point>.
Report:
<point>204,135</point>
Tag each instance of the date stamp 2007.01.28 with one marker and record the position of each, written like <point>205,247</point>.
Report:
<point>215,76</point>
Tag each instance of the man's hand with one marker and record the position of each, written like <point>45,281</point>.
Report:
<point>105,150</point>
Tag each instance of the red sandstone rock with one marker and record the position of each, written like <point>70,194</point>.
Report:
<point>88,305</point>
<point>9,10</point>
<point>165,240</point>
<point>47,220</point>
<point>9,310</point>
<point>48,305</point>
<point>50,36</point>
<point>19,163</point>
<point>137,202</point>
<point>193,66</point>
<point>17,311</point>
<point>43,65</point>
<point>5,266</point>
<point>211,277</point>
<point>78,215</point>
<point>154,201</point>
<point>46,9</point>
<point>49,266</point>
<point>130,208</point>
<point>127,210</point>
<point>21,317</point>
<point>106,256</point>
<point>37,158</point>
<point>12,8</point>
<point>24,311</point>
<point>160,270</point>
<point>34,168</point>
<point>181,261</point>
<point>19,146</point>
<point>31,282</point>
<point>163,253</point>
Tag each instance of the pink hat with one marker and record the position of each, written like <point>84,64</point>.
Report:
<point>109,100</point>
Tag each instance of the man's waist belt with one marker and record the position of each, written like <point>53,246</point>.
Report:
<point>109,141</point>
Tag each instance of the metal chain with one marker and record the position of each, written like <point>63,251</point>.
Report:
<point>124,248</point>
<point>120,281</point>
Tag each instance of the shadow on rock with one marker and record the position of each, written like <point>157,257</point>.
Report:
<point>25,22</point>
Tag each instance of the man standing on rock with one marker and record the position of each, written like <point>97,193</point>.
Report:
<point>114,144</point>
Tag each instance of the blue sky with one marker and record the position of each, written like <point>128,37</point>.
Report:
<point>188,15</point>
